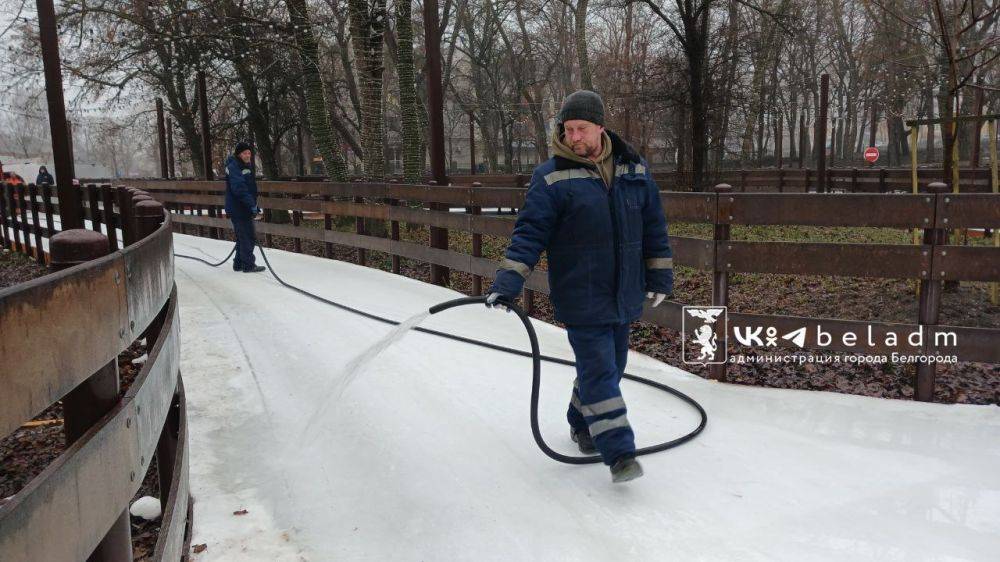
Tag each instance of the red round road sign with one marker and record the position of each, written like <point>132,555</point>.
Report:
<point>871,154</point>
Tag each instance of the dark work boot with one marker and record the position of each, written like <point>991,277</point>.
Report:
<point>625,468</point>
<point>254,269</point>
<point>583,440</point>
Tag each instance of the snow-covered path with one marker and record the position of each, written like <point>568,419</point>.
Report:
<point>427,453</point>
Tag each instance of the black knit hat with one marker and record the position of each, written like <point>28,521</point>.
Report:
<point>241,146</point>
<point>582,104</point>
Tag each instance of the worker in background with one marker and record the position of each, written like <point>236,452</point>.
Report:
<point>241,206</point>
<point>44,177</point>
<point>596,211</point>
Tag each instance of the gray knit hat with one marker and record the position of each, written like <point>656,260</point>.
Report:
<point>582,104</point>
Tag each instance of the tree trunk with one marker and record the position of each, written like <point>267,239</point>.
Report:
<point>316,107</point>
<point>586,81</point>
<point>413,162</point>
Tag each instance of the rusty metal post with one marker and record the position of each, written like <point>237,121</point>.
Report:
<point>824,102</point>
<point>930,303</point>
<point>36,224</point>
<point>477,246</point>
<point>300,159</point>
<point>161,139</point>
<point>854,180</point>
<point>802,141</point>
<point>297,221</point>
<point>743,180</point>
<point>171,172</point>
<point>327,225</point>
<point>206,138</point>
<point>359,228</point>
<point>62,151</point>
<point>977,127</point>
<point>86,404</point>
<point>778,141</point>
<point>394,233</point>
<point>871,133</point>
<point>720,276</point>
<point>472,145</point>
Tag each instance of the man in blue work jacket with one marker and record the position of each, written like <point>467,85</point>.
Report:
<point>596,211</point>
<point>241,206</point>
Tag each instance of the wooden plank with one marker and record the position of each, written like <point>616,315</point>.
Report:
<point>171,540</point>
<point>848,209</point>
<point>688,207</point>
<point>894,261</point>
<point>966,263</point>
<point>963,210</point>
<point>82,312</point>
<point>149,273</point>
<point>64,512</point>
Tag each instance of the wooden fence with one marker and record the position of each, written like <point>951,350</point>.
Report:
<point>60,337</point>
<point>930,263</point>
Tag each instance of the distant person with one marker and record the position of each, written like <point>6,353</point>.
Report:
<point>596,211</point>
<point>241,206</point>
<point>44,177</point>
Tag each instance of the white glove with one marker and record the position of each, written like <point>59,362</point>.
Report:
<point>657,298</point>
<point>491,302</point>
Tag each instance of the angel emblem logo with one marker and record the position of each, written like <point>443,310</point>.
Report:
<point>705,348</point>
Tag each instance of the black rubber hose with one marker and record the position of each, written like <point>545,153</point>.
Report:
<point>535,355</point>
<point>536,380</point>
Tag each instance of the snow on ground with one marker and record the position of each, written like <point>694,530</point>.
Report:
<point>427,453</point>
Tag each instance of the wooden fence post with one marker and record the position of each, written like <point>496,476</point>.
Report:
<point>394,232</point>
<point>930,302</point>
<point>327,225</point>
<point>92,196</point>
<point>297,221</point>
<point>4,235</point>
<point>720,276</point>
<point>36,224</point>
<point>477,245</point>
<point>110,224</point>
<point>22,202</point>
<point>86,404</point>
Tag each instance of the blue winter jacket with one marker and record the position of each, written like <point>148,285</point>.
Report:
<point>606,247</point>
<point>241,188</point>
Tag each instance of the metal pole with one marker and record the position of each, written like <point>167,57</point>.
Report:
<point>977,128</point>
<point>824,100</point>
<point>299,156</point>
<point>161,138</point>
<point>435,107</point>
<point>171,172</point>
<point>62,152</point>
<point>778,138</point>
<point>995,182</point>
<point>472,144</point>
<point>206,139</point>
<point>871,133</point>
<point>802,141</point>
